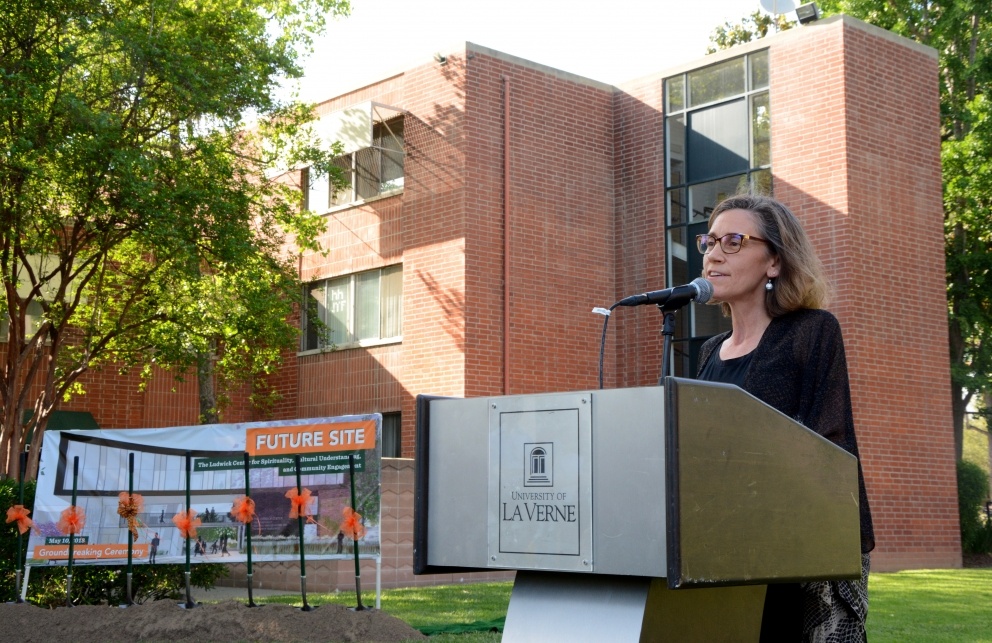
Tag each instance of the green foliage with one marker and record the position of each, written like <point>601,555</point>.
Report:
<point>973,492</point>
<point>91,584</point>
<point>10,496</point>
<point>967,163</point>
<point>755,26</point>
<point>105,584</point>
<point>142,219</point>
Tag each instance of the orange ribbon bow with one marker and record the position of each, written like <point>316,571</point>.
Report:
<point>20,514</point>
<point>243,509</point>
<point>72,520</point>
<point>128,508</point>
<point>187,523</point>
<point>299,503</point>
<point>352,525</point>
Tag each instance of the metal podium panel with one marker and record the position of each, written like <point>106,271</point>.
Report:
<point>774,502</point>
<point>546,606</point>
<point>630,533</point>
<point>540,482</point>
<point>459,479</point>
<point>606,450</point>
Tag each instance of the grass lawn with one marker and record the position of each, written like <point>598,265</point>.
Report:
<point>475,607</point>
<point>931,605</point>
<point>928,606</point>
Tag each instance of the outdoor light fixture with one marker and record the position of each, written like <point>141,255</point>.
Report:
<point>807,12</point>
<point>441,59</point>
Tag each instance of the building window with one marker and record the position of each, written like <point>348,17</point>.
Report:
<point>717,143</point>
<point>34,317</point>
<point>371,172</point>
<point>354,310</point>
<point>391,436</point>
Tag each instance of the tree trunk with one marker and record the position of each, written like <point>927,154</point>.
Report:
<point>208,391</point>
<point>959,407</point>
<point>987,405</point>
<point>959,396</point>
<point>37,437</point>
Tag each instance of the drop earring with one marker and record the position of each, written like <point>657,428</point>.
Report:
<point>769,286</point>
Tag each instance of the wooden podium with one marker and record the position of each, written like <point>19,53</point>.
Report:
<point>642,514</point>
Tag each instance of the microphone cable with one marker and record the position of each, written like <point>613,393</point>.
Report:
<point>602,342</point>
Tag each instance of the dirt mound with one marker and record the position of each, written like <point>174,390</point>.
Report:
<point>166,621</point>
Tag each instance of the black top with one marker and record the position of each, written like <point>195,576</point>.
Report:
<point>730,371</point>
<point>799,367</point>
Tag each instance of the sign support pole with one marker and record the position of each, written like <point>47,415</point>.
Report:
<point>299,518</point>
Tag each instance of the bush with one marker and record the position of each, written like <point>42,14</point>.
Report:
<point>8,537</point>
<point>91,584</point>
<point>99,584</point>
<point>973,490</point>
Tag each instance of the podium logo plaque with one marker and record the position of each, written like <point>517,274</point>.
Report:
<point>540,494</point>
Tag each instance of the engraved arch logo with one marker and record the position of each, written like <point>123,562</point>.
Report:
<point>539,464</point>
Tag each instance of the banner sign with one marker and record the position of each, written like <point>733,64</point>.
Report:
<point>217,477</point>
<point>311,438</point>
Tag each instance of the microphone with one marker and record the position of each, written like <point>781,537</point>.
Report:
<point>699,290</point>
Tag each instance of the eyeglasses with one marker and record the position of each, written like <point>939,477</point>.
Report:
<point>730,243</point>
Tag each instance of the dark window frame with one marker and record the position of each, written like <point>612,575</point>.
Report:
<point>693,188</point>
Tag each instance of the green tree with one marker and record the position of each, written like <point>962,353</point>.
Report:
<point>140,217</point>
<point>230,328</point>
<point>967,165</point>
<point>961,33</point>
<point>757,25</point>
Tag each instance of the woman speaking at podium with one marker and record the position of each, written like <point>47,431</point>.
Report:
<point>787,351</point>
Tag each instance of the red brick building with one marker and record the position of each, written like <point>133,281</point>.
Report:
<point>497,201</point>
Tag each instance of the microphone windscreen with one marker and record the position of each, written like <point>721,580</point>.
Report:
<point>704,288</point>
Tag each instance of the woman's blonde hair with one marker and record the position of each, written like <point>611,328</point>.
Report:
<point>800,282</point>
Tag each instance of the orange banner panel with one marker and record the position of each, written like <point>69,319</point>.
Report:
<point>310,438</point>
<point>89,552</point>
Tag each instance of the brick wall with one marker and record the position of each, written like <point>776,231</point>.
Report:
<point>119,401</point>
<point>640,231</point>
<point>856,153</point>
<point>434,225</point>
<point>559,209</point>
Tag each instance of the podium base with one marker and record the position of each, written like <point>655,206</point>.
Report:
<point>547,606</point>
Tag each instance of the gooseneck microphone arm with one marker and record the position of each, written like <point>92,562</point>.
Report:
<point>667,333</point>
<point>668,300</point>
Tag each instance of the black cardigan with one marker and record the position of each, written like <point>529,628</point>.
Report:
<point>799,368</point>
